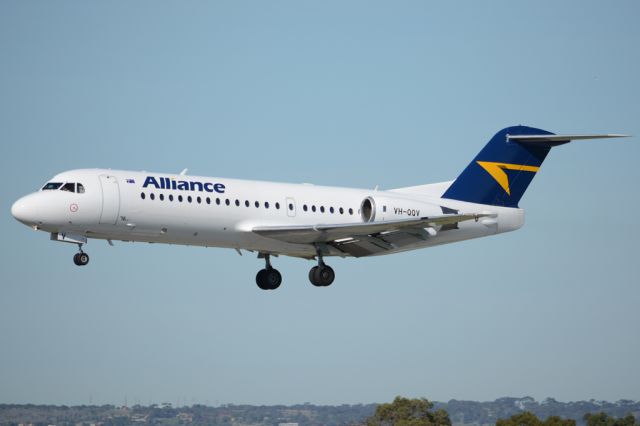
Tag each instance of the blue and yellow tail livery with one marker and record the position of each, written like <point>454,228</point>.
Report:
<point>500,174</point>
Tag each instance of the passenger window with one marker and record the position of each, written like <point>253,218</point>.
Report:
<point>266,204</point>
<point>350,211</point>
<point>180,198</point>
<point>152,196</point>
<point>199,200</point>
<point>80,188</point>
<point>142,195</point>
<point>227,202</point>
<point>51,186</point>
<point>277,206</point>
<point>218,201</point>
<point>189,199</point>
<point>237,203</point>
<point>246,203</point>
<point>331,210</point>
<point>290,206</point>
<point>257,204</point>
<point>161,197</point>
<point>170,197</point>
<point>341,210</point>
<point>208,200</point>
<point>313,209</point>
<point>304,207</point>
<point>69,187</point>
<point>321,209</point>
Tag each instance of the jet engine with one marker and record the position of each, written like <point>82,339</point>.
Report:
<point>377,209</point>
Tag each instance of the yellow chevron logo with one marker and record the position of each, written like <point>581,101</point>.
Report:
<point>496,170</point>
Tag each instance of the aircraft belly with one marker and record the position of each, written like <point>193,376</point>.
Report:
<point>209,238</point>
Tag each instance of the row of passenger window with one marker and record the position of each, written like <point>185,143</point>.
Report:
<point>322,209</point>
<point>247,203</point>
<point>207,200</point>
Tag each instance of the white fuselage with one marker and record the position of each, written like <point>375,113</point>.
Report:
<point>217,212</point>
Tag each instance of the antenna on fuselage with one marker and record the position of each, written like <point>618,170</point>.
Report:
<point>184,172</point>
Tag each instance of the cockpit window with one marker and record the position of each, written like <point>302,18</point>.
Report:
<point>51,186</point>
<point>71,187</point>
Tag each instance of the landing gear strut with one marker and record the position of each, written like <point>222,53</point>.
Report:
<point>268,278</point>
<point>81,258</point>
<point>321,275</point>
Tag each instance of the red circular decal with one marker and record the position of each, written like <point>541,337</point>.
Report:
<point>73,208</point>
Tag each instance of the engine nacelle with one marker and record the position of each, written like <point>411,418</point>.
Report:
<point>382,208</point>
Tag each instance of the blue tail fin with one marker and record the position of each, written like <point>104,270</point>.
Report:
<point>502,171</point>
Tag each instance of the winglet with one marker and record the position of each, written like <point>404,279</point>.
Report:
<point>184,172</point>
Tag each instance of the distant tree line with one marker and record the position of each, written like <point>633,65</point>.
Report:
<point>488,413</point>
<point>401,412</point>
<point>420,412</point>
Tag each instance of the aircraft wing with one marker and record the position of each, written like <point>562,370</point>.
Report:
<point>363,239</point>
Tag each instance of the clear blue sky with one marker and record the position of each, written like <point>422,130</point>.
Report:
<point>338,93</point>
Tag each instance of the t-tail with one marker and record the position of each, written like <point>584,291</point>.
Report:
<point>503,170</point>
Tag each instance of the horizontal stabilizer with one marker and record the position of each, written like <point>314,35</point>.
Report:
<point>558,139</point>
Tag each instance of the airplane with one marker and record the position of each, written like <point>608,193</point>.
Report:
<point>300,220</point>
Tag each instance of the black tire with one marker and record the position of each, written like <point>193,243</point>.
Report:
<point>272,278</point>
<point>325,275</point>
<point>313,276</point>
<point>76,259</point>
<point>260,279</point>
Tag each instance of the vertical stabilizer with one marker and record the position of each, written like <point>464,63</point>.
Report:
<point>500,174</point>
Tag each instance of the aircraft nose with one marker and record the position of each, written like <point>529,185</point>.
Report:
<point>24,211</point>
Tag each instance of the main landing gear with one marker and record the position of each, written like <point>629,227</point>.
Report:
<point>321,275</point>
<point>268,278</point>
<point>81,258</point>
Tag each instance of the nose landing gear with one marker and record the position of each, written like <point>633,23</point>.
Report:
<point>268,278</point>
<point>81,258</point>
<point>321,275</point>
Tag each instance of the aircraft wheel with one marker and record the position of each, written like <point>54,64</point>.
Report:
<point>325,275</point>
<point>312,276</point>
<point>273,278</point>
<point>262,284</point>
<point>81,259</point>
<point>321,276</point>
<point>268,279</point>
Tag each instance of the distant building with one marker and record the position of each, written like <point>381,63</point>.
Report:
<point>139,418</point>
<point>287,424</point>
<point>185,417</point>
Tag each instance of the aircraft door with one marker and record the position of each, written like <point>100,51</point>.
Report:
<point>291,207</point>
<point>110,199</point>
